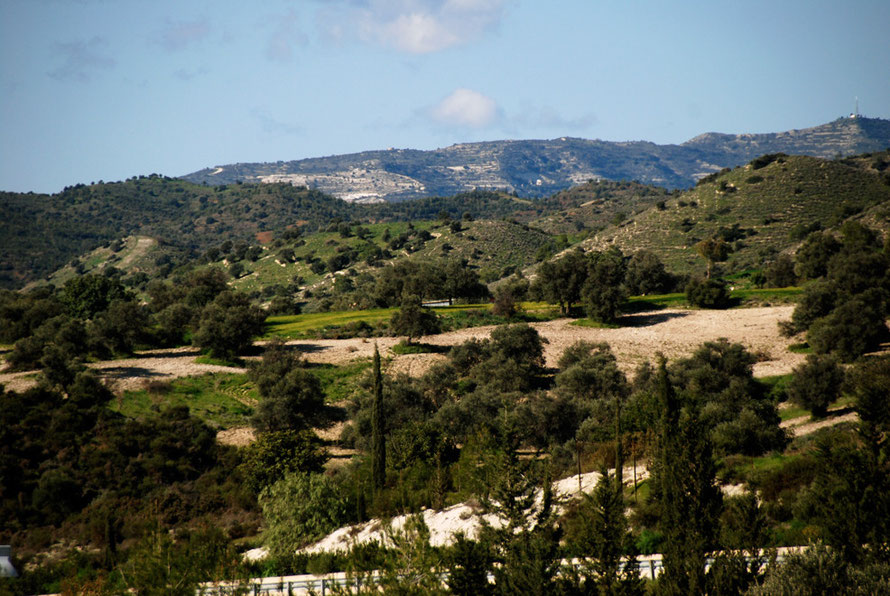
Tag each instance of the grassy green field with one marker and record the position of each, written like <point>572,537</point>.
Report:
<point>221,400</point>
<point>771,295</point>
<point>339,382</point>
<point>458,316</point>
<point>225,400</point>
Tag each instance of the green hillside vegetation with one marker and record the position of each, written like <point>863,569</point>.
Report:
<point>139,258</point>
<point>220,400</point>
<point>760,209</point>
<point>43,233</point>
<point>596,204</point>
<point>326,260</point>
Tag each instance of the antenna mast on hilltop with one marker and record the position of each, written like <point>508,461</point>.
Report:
<point>855,113</point>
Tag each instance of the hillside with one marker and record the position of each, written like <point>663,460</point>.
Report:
<point>42,233</point>
<point>594,205</point>
<point>762,208</point>
<point>539,168</point>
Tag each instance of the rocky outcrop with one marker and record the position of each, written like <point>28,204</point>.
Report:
<point>536,168</point>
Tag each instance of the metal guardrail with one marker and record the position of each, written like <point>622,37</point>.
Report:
<point>650,567</point>
<point>284,585</point>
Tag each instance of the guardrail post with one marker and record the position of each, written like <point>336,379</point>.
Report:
<point>652,569</point>
<point>323,586</point>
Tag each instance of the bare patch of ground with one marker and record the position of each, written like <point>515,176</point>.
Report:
<point>674,333</point>
<point>131,373</point>
<point>805,425</point>
<point>241,436</point>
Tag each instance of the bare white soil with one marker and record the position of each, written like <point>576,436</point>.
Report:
<point>674,333</point>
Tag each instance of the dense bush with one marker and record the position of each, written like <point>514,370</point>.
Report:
<point>816,383</point>
<point>707,293</point>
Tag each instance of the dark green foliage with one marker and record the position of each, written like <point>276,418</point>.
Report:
<point>511,360</point>
<point>468,563</point>
<point>849,500</point>
<point>175,564</point>
<point>22,313</point>
<point>298,509</point>
<point>226,327</point>
<point>67,462</point>
<point>811,259</point>
<point>527,544</point>
<point>853,328</point>
<point>818,301</point>
<point>591,386</point>
<point>601,539</point>
<point>743,533</point>
<point>816,383</point>
<point>462,282</point>
<point>378,436</point>
<point>560,281</point>
<point>413,320</point>
<point>85,296</point>
<point>603,291</point>
<point>843,311</point>
<point>449,279</point>
<point>291,396</point>
<point>646,275</point>
<point>707,293</point>
<point>738,413</point>
<point>201,287</point>
<point>820,570</point>
<point>121,327</point>
<point>780,273</point>
<point>765,160</point>
<point>868,381</point>
<point>689,498</point>
<point>275,454</point>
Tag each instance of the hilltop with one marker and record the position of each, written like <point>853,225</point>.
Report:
<point>539,168</point>
<point>762,208</point>
<point>42,233</point>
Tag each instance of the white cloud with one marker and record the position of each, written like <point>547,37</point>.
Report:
<point>415,26</point>
<point>468,108</point>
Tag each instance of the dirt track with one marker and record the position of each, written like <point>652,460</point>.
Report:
<point>674,333</point>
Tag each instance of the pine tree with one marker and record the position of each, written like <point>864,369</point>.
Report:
<point>690,498</point>
<point>605,538</point>
<point>527,544</point>
<point>378,440</point>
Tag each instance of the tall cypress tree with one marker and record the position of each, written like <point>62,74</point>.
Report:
<point>378,440</point>
<point>690,498</point>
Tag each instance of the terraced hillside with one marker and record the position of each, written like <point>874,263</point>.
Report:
<point>762,208</point>
<point>492,248</point>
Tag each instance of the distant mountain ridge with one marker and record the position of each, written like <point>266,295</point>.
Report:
<point>537,168</point>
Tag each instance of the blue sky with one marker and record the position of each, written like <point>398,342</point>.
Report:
<point>108,89</point>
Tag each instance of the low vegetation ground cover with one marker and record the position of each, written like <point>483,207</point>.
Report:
<point>369,323</point>
<point>220,400</point>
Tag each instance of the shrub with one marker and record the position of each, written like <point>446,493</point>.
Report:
<point>298,509</point>
<point>707,293</point>
<point>852,329</point>
<point>816,383</point>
